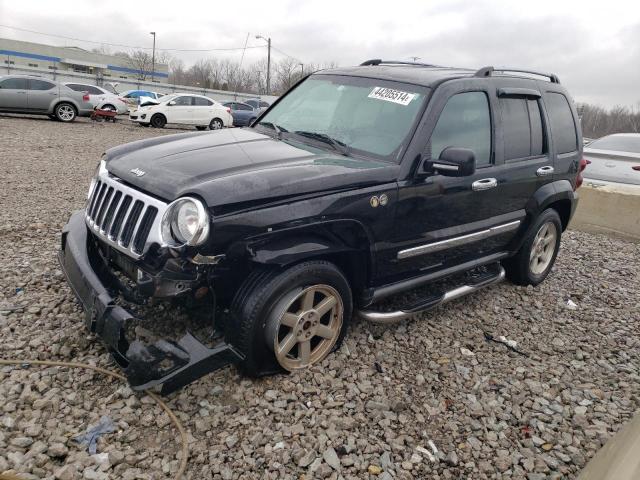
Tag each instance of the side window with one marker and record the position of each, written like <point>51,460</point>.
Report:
<point>264,104</point>
<point>240,106</point>
<point>14,84</point>
<point>40,85</point>
<point>563,128</point>
<point>522,128</point>
<point>202,102</point>
<point>76,87</point>
<point>465,122</point>
<point>183,101</point>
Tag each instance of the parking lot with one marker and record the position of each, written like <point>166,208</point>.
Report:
<point>427,398</point>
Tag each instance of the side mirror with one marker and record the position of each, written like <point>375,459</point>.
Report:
<point>171,103</point>
<point>453,162</point>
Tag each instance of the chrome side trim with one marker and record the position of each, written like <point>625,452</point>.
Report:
<point>387,318</point>
<point>457,241</point>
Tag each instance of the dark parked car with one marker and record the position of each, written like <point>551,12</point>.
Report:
<point>36,95</point>
<point>358,184</point>
<point>243,113</point>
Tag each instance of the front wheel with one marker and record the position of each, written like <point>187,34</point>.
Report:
<point>534,260</point>
<point>65,112</point>
<point>158,121</point>
<point>290,319</point>
<point>216,124</point>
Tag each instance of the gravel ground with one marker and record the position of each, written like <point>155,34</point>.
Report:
<point>375,409</point>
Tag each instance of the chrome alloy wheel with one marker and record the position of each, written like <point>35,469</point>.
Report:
<point>543,248</point>
<point>305,326</point>
<point>66,113</point>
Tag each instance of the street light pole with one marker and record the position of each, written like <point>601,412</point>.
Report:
<point>153,56</point>
<point>268,40</point>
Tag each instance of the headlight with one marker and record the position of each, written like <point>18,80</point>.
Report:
<point>100,169</point>
<point>185,222</point>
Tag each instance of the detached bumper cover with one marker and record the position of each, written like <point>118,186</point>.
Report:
<point>167,362</point>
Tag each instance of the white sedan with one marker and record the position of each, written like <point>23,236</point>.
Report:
<point>100,98</point>
<point>183,109</point>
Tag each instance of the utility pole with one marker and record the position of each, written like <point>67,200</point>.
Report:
<point>153,56</point>
<point>268,40</point>
<point>302,68</point>
<point>415,58</point>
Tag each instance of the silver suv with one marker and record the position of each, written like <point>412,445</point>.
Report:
<point>36,95</point>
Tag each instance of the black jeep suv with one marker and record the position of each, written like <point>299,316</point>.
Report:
<point>356,185</point>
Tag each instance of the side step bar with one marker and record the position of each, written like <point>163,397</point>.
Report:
<point>387,318</point>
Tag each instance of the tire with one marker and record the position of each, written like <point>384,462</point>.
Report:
<point>158,121</point>
<point>535,259</point>
<point>65,112</point>
<point>259,325</point>
<point>251,120</point>
<point>200,127</point>
<point>216,124</point>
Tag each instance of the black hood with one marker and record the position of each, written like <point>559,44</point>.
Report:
<point>238,165</point>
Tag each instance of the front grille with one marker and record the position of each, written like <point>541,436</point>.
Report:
<point>124,217</point>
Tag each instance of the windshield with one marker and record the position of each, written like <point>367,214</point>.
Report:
<point>364,115</point>
<point>617,143</point>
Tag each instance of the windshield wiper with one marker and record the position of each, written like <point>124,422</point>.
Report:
<point>341,147</point>
<point>279,130</point>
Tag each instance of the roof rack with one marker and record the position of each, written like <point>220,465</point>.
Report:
<point>377,61</point>
<point>488,71</point>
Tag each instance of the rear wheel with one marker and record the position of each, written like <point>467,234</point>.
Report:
<point>65,112</point>
<point>251,120</point>
<point>290,319</point>
<point>534,260</point>
<point>158,121</point>
<point>216,124</point>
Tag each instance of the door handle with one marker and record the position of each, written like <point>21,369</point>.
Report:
<point>546,170</point>
<point>484,184</point>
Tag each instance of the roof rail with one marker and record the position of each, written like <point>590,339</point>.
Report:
<point>488,71</point>
<point>377,61</point>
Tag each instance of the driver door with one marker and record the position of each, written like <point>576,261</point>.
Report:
<point>180,110</point>
<point>443,221</point>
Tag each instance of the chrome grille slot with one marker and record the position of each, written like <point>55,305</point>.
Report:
<point>124,217</point>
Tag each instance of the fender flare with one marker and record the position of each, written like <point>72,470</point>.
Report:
<point>347,241</point>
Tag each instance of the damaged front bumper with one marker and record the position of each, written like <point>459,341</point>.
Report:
<point>172,364</point>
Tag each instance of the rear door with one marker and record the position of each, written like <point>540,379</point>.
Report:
<point>203,111</point>
<point>13,94</point>
<point>41,95</point>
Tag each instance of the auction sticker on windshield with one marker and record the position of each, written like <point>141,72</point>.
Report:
<point>391,95</point>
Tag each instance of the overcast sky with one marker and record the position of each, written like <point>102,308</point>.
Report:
<point>594,47</point>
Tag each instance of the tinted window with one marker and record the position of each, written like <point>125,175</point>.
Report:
<point>253,103</point>
<point>240,106</point>
<point>515,122</point>
<point>14,83</point>
<point>522,127</point>
<point>183,101</point>
<point>202,102</point>
<point>76,86</point>
<point>563,129</point>
<point>40,85</point>
<point>264,104</point>
<point>537,132</point>
<point>465,123</point>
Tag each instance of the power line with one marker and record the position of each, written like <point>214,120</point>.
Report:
<point>131,46</point>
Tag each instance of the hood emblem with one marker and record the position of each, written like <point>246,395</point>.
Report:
<point>137,172</point>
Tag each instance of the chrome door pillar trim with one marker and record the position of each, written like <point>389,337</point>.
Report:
<point>457,241</point>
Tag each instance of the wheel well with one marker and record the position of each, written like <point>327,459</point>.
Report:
<point>65,102</point>
<point>563,207</point>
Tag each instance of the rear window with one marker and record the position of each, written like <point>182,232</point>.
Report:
<point>522,126</point>
<point>618,143</point>
<point>202,102</point>
<point>40,85</point>
<point>563,128</point>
